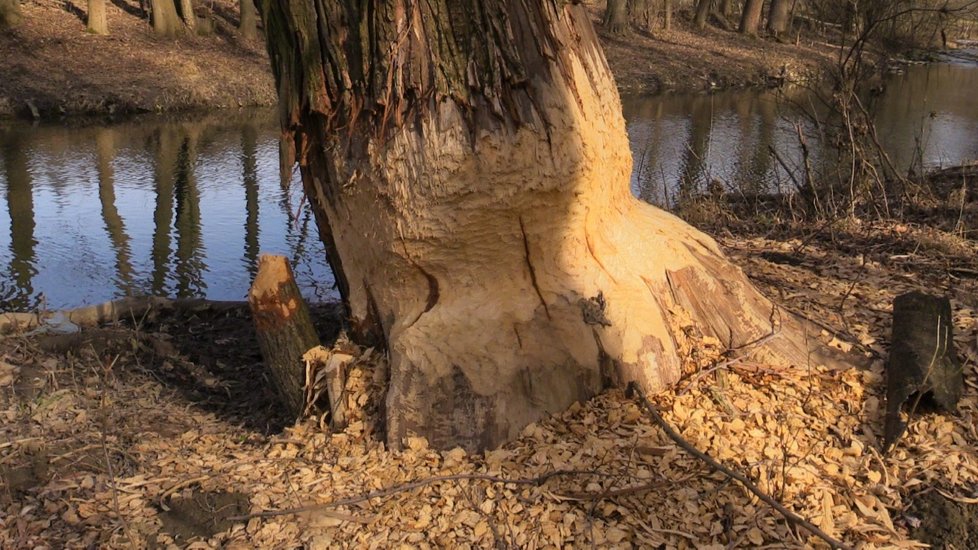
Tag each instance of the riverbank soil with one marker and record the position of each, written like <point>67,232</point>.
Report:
<point>50,64</point>
<point>165,430</point>
<point>685,59</point>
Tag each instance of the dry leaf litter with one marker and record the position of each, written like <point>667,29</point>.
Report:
<point>98,449</point>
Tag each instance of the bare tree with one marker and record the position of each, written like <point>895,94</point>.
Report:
<point>750,21</point>
<point>97,22</point>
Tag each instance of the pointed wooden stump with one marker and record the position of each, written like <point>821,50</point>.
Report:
<point>284,328</point>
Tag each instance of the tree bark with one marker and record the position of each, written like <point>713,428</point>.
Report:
<point>702,12</point>
<point>726,8</point>
<point>616,17</point>
<point>248,23</point>
<point>778,16</point>
<point>642,14</point>
<point>468,165</point>
<point>750,21</point>
<point>9,13</point>
<point>166,22</point>
<point>97,23</point>
<point>188,15</point>
<point>667,15</point>
<point>283,327</point>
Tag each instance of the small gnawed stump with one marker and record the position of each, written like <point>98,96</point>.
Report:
<point>922,361</point>
<point>284,328</point>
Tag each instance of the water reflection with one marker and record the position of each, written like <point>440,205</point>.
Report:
<point>743,141</point>
<point>20,208</point>
<point>148,207</point>
<point>183,207</point>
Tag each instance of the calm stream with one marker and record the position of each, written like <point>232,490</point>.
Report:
<point>183,207</point>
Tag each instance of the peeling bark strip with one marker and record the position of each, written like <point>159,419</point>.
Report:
<point>468,166</point>
<point>284,328</point>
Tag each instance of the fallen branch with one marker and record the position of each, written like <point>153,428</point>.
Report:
<point>404,487</point>
<point>635,392</point>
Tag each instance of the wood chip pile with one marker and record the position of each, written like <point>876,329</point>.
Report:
<point>95,450</point>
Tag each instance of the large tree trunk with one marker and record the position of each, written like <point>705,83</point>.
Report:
<point>702,12</point>
<point>750,21</point>
<point>9,13</point>
<point>248,22</point>
<point>97,23</point>
<point>778,16</point>
<point>616,17</point>
<point>166,22</point>
<point>468,165</point>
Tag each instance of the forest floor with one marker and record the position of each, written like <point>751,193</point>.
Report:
<point>684,59</point>
<point>52,65</point>
<point>162,430</point>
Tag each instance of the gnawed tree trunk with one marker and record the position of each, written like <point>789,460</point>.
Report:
<point>778,16</point>
<point>247,25</point>
<point>283,327</point>
<point>468,165</point>
<point>616,17</point>
<point>702,12</point>
<point>750,20</point>
<point>9,13</point>
<point>166,22</point>
<point>97,23</point>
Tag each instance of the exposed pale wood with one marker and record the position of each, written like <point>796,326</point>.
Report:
<point>331,366</point>
<point>283,327</point>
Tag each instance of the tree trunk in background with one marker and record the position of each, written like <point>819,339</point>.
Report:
<point>642,14</point>
<point>248,22</point>
<point>97,23</point>
<point>188,15</point>
<point>9,13</point>
<point>750,21</point>
<point>469,169</point>
<point>667,15</point>
<point>616,17</point>
<point>166,22</point>
<point>778,16</point>
<point>726,8</point>
<point>702,12</point>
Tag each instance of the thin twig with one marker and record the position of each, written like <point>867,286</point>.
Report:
<point>635,392</point>
<point>404,487</point>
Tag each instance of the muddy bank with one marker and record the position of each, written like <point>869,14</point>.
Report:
<point>52,67</point>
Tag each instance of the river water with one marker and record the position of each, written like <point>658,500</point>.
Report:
<point>182,207</point>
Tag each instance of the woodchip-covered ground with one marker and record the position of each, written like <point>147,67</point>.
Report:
<point>162,433</point>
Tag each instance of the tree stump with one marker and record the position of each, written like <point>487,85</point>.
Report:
<point>284,328</point>
<point>922,360</point>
